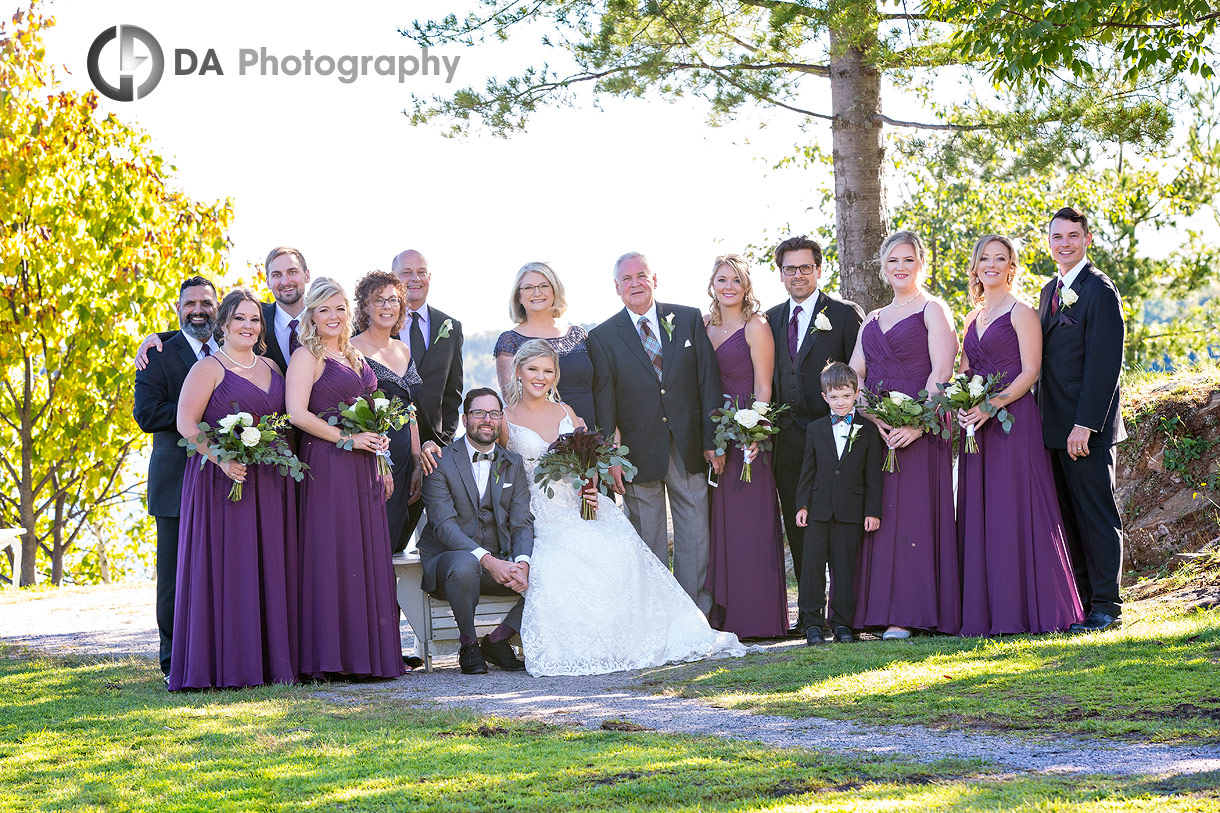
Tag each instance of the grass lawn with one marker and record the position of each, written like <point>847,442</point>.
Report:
<point>82,735</point>
<point>1156,679</point>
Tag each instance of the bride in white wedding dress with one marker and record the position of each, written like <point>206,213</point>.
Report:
<point>598,599</point>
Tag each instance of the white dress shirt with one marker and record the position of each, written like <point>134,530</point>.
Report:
<point>841,430</point>
<point>1074,272</point>
<point>482,472</point>
<point>197,345</point>
<point>803,318</point>
<point>281,331</point>
<point>653,323</point>
<point>425,327</point>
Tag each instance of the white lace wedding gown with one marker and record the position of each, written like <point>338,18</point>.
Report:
<point>599,601</point>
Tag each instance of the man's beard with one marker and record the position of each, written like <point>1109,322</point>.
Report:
<point>200,332</point>
<point>284,299</point>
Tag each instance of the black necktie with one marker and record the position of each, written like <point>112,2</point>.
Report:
<point>417,339</point>
<point>477,456</point>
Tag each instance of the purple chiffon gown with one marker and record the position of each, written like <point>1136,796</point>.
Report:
<point>908,574</point>
<point>745,572</point>
<point>349,610</point>
<point>1016,574</point>
<point>235,615</point>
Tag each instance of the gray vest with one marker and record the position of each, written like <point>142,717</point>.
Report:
<point>485,535</point>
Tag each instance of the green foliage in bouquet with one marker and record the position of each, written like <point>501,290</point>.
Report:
<point>968,393</point>
<point>237,437</point>
<point>372,412</point>
<point>898,410</point>
<point>581,455</point>
<point>743,426</point>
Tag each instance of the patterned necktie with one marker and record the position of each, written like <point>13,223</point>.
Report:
<point>792,332</point>
<point>417,339</point>
<point>293,341</point>
<point>1055,297</point>
<point>477,456</point>
<point>205,351</point>
<point>651,346</point>
<point>840,418</point>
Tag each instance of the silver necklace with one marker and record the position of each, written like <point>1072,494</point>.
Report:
<point>238,363</point>
<point>896,306</point>
<point>989,314</point>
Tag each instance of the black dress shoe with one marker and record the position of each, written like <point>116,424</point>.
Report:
<point>1097,622</point>
<point>471,660</point>
<point>796,631</point>
<point>843,635</point>
<point>501,654</point>
<point>813,636</point>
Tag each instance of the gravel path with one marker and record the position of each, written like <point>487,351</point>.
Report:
<point>118,621</point>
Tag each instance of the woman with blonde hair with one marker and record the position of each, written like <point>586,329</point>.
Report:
<point>745,572</point>
<point>536,305</point>
<point>349,610</point>
<point>1016,572</point>
<point>908,573</point>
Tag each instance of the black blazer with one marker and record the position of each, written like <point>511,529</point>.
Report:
<point>627,395</point>
<point>156,411</point>
<point>439,400</point>
<point>1082,357</point>
<point>452,498</point>
<point>800,384</point>
<point>847,488</point>
<point>273,351</point>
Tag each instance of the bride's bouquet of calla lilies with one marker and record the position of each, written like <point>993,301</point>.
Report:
<point>581,455</point>
<point>744,426</point>
<point>968,393</point>
<point>372,412</point>
<point>899,410</point>
<point>237,436</point>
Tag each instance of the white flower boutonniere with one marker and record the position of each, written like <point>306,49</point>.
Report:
<point>446,326</point>
<point>1067,297</point>
<point>668,324</point>
<point>851,436</point>
<point>820,322</point>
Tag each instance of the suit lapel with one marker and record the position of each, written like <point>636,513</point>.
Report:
<point>828,435</point>
<point>1044,305</point>
<point>812,334</point>
<point>631,337</point>
<point>185,352</point>
<point>466,473</point>
<point>667,344</point>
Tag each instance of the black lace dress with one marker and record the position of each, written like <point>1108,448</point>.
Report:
<point>575,366</point>
<point>403,387</point>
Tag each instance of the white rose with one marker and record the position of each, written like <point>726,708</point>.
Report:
<point>381,403</point>
<point>1069,297</point>
<point>899,398</point>
<point>250,436</point>
<point>821,322</point>
<point>976,389</point>
<point>761,407</point>
<point>747,418</point>
<point>246,418</point>
<point>952,390</point>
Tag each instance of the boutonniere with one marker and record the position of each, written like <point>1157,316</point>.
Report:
<point>851,435</point>
<point>668,324</point>
<point>1067,297</point>
<point>498,469</point>
<point>820,322</point>
<point>446,326</point>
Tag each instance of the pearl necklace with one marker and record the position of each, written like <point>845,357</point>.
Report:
<point>238,363</point>
<point>338,357</point>
<point>896,306</point>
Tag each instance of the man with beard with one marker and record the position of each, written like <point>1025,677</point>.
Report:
<point>156,411</point>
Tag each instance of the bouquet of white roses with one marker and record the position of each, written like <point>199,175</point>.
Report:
<point>898,410</point>
<point>237,437</point>
<point>743,426</point>
<point>375,413</point>
<point>968,393</point>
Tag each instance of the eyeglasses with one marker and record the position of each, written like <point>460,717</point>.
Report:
<point>791,270</point>
<point>482,414</point>
<point>392,302</point>
<point>540,288</point>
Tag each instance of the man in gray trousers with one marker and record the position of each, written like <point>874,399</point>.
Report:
<point>656,381</point>
<point>480,532</point>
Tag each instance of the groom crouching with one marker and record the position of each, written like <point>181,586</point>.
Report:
<point>480,531</point>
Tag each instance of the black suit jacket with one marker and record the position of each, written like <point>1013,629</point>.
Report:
<point>156,411</point>
<point>799,384</point>
<point>452,498</point>
<point>1082,357</point>
<point>847,488</point>
<point>273,351</point>
<point>440,398</point>
<point>627,395</point>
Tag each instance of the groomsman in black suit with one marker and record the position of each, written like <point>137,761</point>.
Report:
<point>156,411</point>
<point>656,380</point>
<point>810,329</point>
<point>435,339</point>
<point>1078,393</point>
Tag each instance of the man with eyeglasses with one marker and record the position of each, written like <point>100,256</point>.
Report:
<point>480,532</point>
<point>810,329</point>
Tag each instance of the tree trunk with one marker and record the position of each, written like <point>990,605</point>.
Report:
<point>855,97</point>
<point>103,560</point>
<point>25,489</point>
<point>58,546</point>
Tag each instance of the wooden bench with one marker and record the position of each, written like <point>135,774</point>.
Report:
<point>431,619</point>
<point>10,548</point>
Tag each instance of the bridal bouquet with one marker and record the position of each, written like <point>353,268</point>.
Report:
<point>898,410</point>
<point>581,455</point>
<point>237,437</point>
<point>744,426</point>
<point>968,393</point>
<point>375,413</point>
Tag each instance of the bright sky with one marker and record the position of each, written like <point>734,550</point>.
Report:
<point>336,169</point>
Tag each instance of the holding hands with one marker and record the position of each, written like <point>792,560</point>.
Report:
<point>513,575</point>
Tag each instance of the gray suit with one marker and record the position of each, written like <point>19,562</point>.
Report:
<point>460,522</point>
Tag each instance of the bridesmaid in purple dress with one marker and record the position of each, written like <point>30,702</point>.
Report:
<point>235,616</point>
<point>349,611</point>
<point>745,572</point>
<point>908,573</point>
<point>1016,574</point>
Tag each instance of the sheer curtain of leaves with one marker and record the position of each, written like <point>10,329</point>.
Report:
<point>93,240</point>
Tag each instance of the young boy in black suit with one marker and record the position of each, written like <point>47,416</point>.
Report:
<point>840,497</point>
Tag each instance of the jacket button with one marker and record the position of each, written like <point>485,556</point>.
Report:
<point>836,471</point>
<point>664,419</point>
<point>662,390</point>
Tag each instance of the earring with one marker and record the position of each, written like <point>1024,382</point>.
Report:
<point>520,389</point>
